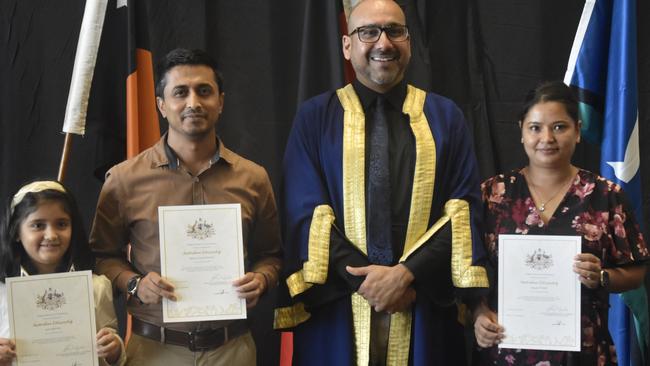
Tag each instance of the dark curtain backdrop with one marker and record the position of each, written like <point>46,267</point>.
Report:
<point>483,54</point>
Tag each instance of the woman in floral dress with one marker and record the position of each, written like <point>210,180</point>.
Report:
<point>550,196</point>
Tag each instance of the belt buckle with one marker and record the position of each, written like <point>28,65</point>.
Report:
<point>191,341</point>
<point>213,334</point>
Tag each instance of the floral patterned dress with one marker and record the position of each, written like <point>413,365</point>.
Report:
<point>593,208</point>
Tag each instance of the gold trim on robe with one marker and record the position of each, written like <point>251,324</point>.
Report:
<point>319,245</point>
<point>354,167</point>
<point>354,206</point>
<point>355,215</point>
<point>354,210</point>
<point>425,167</point>
<point>425,237</point>
<point>399,337</point>
<point>296,283</point>
<point>290,316</point>
<point>463,273</point>
<point>314,270</point>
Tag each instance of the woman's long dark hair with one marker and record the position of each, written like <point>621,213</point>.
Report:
<point>12,252</point>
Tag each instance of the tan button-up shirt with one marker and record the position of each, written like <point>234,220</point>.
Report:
<point>127,212</point>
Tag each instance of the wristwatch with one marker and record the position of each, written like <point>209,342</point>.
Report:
<point>132,286</point>
<point>604,279</point>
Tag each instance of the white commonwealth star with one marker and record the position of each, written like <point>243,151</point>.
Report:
<point>626,170</point>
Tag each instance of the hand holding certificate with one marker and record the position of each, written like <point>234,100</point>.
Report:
<point>201,253</point>
<point>539,293</point>
<point>52,319</point>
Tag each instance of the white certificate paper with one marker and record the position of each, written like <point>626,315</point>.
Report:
<point>52,319</point>
<point>201,253</point>
<point>539,294</point>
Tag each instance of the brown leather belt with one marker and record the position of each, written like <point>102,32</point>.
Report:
<point>198,340</point>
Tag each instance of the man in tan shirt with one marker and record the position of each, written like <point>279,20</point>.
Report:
<point>188,166</point>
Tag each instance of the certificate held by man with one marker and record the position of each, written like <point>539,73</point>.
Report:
<point>539,294</point>
<point>52,319</point>
<point>201,253</point>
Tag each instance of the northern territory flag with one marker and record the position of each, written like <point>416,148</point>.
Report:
<point>142,125</point>
<point>603,70</point>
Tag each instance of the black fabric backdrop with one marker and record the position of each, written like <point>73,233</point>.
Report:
<point>483,54</point>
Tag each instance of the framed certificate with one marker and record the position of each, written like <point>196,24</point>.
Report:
<point>52,319</point>
<point>201,253</point>
<point>539,294</point>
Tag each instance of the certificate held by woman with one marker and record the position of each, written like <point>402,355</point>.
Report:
<point>539,294</point>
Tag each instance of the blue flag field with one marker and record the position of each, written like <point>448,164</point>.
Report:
<point>602,70</point>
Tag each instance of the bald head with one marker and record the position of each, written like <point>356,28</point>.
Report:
<point>373,6</point>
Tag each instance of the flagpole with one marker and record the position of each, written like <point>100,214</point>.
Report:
<point>82,75</point>
<point>63,166</point>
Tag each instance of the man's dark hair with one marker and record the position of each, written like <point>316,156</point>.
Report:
<point>182,56</point>
<point>551,91</point>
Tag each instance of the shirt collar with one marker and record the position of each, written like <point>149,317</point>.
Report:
<point>367,96</point>
<point>24,273</point>
<point>172,159</point>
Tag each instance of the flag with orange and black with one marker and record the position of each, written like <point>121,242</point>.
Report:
<point>122,107</point>
<point>142,125</point>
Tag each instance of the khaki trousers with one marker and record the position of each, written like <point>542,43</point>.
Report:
<point>144,352</point>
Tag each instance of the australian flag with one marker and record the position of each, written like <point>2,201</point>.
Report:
<point>603,71</point>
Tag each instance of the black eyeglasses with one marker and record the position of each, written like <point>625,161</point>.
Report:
<point>371,33</point>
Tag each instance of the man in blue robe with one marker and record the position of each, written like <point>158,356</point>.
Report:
<point>381,212</point>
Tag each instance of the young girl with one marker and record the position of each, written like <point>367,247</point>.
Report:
<point>42,233</point>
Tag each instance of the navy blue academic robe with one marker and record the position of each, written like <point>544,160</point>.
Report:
<point>324,225</point>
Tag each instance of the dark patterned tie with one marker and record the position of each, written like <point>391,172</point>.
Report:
<point>378,200</point>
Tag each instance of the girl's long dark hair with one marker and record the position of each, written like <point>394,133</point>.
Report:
<point>12,252</point>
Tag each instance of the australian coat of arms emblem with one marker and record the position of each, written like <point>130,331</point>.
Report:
<point>50,300</point>
<point>539,260</point>
<point>200,229</point>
